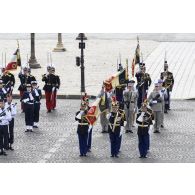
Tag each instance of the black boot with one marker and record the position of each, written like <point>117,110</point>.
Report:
<point>10,147</point>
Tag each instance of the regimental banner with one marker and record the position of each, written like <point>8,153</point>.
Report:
<point>15,61</point>
<point>94,112</point>
<point>115,80</point>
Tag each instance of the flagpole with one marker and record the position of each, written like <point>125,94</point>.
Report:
<point>27,58</point>
<point>165,56</point>
<point>2,60</point>
<point>5,59</point>
<point>120,57</point>
<point>18,43</point>
<point>142,58</point>
<point>127,69</point>
<point>47,58</point>
<point>51,59</point>
<point>2,64</point>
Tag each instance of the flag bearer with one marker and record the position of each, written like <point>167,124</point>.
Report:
<point>143,83</point>
<point>82,129</point>
<point>114,128</point>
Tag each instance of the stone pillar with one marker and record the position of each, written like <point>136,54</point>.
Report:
<point>59,46</point>
<point>33,61</point>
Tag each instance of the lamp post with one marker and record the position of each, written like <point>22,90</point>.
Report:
<point>59,46</point>
<point>33,61</point>
<point>80,60</point>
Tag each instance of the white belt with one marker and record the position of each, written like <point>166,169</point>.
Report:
<point>4,124</point>
<point>83,124</point>
<point>142,125</point>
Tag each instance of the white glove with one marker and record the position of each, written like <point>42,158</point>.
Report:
<point>108,115</point>
<point>31,97</point>
<point>140,118</point>
<point>36,92</point>
<point>142,114</point>
<point>90,127</point>
<point>12,88</point>
<point>53,89</point>
<point>170,92</point>
<point>26,100</point>
<point>154,102</point>
<point>118,119</point>
<point>4,91</point>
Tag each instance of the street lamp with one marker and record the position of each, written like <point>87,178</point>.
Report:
<point>80,60</point>
<point>33,61</point>
<point>59,46</point>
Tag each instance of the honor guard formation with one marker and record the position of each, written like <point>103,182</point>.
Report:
<point>30,98</point>
<point>124,103</point>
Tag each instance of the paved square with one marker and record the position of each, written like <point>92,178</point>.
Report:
<point>56,139</point>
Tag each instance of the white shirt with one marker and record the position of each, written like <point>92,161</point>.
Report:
<point>4,120</point>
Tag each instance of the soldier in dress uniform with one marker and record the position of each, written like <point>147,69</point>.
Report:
<point>3,91</point>
<point>130,98</point>
<point>104,108</point>
<point>85,100</point>
<point>82,129</point>
<point>55,87</point>
<point>25,78</point>
<point>116,118</point>
<point>28,101</point>
<point>8,80</point>
<point>143,83</point>
<point>12,108</point>
<point>5,117</point>
<point>51,85</point>
<point>144,120</point>
<point>37,98</point>
<point>155,102</point>
<point>163,94</point>
<point>168,82</point>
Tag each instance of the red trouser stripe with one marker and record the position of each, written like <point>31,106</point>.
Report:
<point>48,100</point>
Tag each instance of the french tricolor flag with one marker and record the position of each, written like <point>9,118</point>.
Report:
<point>15,61</point>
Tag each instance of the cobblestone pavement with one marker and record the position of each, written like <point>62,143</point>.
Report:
<point>56,139</point>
